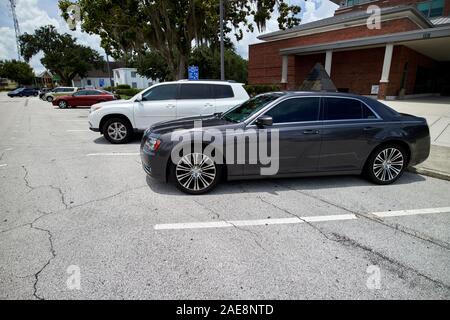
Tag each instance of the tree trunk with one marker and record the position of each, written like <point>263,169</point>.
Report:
<point>181,70</point>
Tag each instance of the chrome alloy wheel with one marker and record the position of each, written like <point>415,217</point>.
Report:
<point>63,104</point>
<point>117,131</point>
<point>388,164</point>
<point>195,171</point>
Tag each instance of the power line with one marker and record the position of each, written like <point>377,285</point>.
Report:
<point>16,26</point>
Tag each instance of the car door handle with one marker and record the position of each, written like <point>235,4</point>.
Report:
<point>170,106</point>
<point>310,131</point>
<point>208,104</point>
<point>369,128</point>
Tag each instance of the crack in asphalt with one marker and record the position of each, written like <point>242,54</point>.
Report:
<point>353,243</point>
<point>61,194</point>
<point>50,236</point>
<point>25,178</point>
<point>52,251</point>
<point>253,233</point>
<point>373,218</point>
<point>344,240</point>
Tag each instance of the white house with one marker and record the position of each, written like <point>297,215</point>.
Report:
<point>130,77</point>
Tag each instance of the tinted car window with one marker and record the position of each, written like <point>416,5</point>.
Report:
<point>343,109</point>
<point>367,113</point>
<point>222,91</point>
<point>80,93</point>
<point>249,107</point>
<point>92,92</point>
<point>196,91</point>
<point>295,110</point>
<point>164,92</point>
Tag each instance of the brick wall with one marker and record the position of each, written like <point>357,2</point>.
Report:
<point>265,61</point>
<point>401,56</point>
<point>357,70</point>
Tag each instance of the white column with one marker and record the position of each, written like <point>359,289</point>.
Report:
<point>328,60</point>
<point>284,69</point>
<point>387,63</point>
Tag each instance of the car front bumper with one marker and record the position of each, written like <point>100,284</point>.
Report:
<point>155,163</point>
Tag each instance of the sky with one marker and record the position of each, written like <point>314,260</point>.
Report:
<point>32,14</point>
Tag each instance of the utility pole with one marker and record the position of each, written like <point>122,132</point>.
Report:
<point>109,71</point>
<point>222,51</point>
<point>16,26</point>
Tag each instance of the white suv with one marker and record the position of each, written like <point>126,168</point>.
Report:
<point>59,91</point>
<point>117,120</point>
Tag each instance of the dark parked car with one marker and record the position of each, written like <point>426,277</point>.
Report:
<point>43,91</point>
<point>23,92</point>
<point>319,134</point>
<point>83,98</point>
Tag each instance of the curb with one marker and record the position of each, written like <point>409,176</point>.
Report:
<point>430,173</point>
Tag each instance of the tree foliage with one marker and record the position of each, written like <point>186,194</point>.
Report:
<point>136,27</point>
<point>62,55</point>
<point>18,71</point>
<point>208,60</point>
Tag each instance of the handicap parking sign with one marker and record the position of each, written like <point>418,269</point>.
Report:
<point>102,82</point>
<point>193,73</point>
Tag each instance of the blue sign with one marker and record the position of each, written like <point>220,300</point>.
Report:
<point>102,82</point>
<point>193,73</point>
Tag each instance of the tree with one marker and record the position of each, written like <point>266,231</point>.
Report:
<point>152,65</point>
<point>132,27</point>
<point>62,55</point>
<point>207,58</point>
<point>19,71</point>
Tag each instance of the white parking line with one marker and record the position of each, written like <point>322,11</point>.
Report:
<point>3,165</point>
<point>113,154</point>
<point>261,222</point>
<point>84,130</point>
<point>411,212</point>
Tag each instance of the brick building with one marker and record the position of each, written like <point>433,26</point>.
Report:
<point>408,54</point>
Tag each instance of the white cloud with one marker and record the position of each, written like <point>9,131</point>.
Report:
<point>30,17</point>
<point>312,10</point>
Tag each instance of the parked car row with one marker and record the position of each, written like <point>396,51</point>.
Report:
<point>319,133</point>
<point>23,92</point>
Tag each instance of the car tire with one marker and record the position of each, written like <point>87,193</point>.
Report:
<point>386,164</point>
<point>35,94</point>
<point>49,99</point>
<point>63,104</point>
<point>117,130</point>
<point>196,173</point>
<point>20,95</point>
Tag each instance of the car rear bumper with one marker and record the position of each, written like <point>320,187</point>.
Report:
<point>420,148</point>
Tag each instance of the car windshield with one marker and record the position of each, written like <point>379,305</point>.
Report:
<point>245,110</point>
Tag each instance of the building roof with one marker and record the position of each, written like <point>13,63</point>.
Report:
<point>103,72</point>
<point>43,73</point>
<point>358,16</point>
<point>439,21</point>
<point>437,36</point>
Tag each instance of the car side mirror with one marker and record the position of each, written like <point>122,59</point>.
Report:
<point>138,99</point>
<point>264,121</point>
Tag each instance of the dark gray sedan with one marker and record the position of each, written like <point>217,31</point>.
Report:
<point>302,133</point>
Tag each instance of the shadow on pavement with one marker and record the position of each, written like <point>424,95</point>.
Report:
<point>275,185</point>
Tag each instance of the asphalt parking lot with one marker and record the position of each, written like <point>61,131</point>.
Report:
<point>71,201</point>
